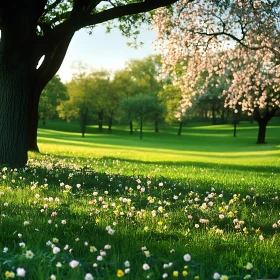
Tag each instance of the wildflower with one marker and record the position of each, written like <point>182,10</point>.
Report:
<point>224,277</point>
<point>74,263</point>
<point>184,273</point>
<point>261,237</point>
<point>88,276</point>
<point>127,270</point>
<point>21,272</point>
<point>58,264</point>
<point>175,273</point>
<point>249,266</point>
<point>55,240</point>
<point>19,235</point>
<point>247,276</point>
<point>127,264</point>
<point>99,258</point>
<point>216,275</point>
<point>56,250</point>
<point>63,222</point>
<point>53,277</point>
<point>95,265</point>
<point>5,250</point>
<point>187,257</point>
<point>160,223</point>
<point>9,274</point>
<point>147,253</point>
<point>26,223</point>
<point>165,266</point>
<point>196,277</point>
<point>165,275</point>
<point>92,249</point>
<point>107,247</point>
<point>29,254</point>
<point>120,273</point>
<point>146,266</point>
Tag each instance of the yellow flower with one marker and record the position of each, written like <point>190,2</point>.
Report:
<point>120,273</point>
<point>9,274</point>
<point>147,253</point>
<point>175,273</point>
<point>247,276</point>
<point>92,249</point>
<point>185,267</point>
<point>97,221</point>
<point>224,277</point>
<point>160,223</point>
<point>184,273</point>
<point>196,277</point>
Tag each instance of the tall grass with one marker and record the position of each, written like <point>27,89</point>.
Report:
<point>199,206</point>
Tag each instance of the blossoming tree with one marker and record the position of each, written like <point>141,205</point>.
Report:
<point>233,40</point>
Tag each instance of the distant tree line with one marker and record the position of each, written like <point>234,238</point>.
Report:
<point>129,96</point>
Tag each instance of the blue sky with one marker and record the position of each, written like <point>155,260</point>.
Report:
<point>103,50</point>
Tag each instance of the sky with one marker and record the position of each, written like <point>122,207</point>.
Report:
<point>103,50</point>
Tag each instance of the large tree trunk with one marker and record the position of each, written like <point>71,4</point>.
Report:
<point>15,87</point>
<point>33,121</point>
<point>17,78</point>
<point>263,120</point>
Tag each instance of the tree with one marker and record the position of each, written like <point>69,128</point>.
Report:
<point>35,29</point>
<point>53,94</point>
<point>234,40</point>
<point>141,107</point>
<point>80,103</point>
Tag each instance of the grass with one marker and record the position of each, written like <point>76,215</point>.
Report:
<point>165,206</point>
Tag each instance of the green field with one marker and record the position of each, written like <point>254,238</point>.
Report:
<point>127,208</point>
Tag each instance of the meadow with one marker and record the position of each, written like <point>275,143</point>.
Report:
<point>203,205</point>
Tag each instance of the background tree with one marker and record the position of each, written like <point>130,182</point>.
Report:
<point>141,107</point>
<point>53,94</point>
<point>35,29</point>
<point>199,32</point>
<point>79,106</point>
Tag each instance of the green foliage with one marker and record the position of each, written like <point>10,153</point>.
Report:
<point>54,93</point>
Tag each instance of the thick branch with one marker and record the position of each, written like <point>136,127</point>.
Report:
<point>77,22</point>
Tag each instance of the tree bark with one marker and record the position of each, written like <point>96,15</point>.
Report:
<point>141,126</point>
<point>262,121</point>
<point>131,127</point>
<point>110,124</point>
<point>100,120</point>
<point>156,125</point>
<point>180,128</point>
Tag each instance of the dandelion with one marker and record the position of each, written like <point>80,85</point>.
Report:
<point>175,273</point>
<point>249,266</point>
<point>120,273</point>
<point>146,266</point>
<point>187,257</point>
<point>29,254</point>
<point>88,276</point>
<point>9,274</point>
<point>21,272</point>
<point>224,277</point>
<point>184,273</point>
<point>74,263</point>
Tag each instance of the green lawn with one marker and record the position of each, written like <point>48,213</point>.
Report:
<point>106,199</point>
